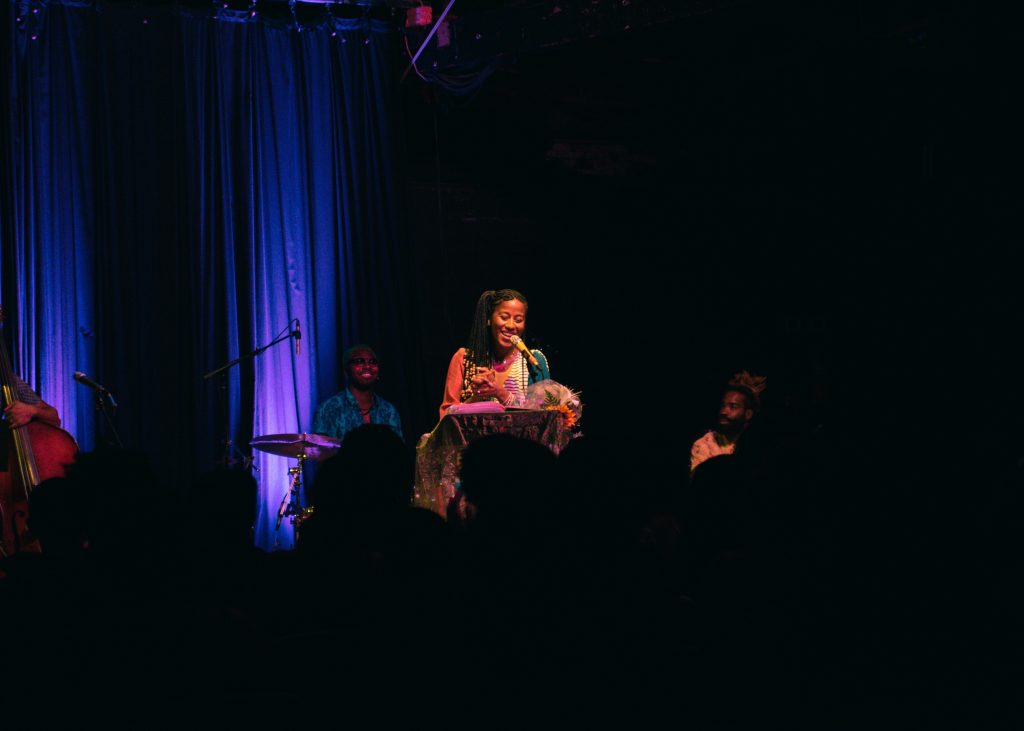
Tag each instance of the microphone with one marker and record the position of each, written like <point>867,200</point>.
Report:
<point>518,342</point>
<point>86,381</point>
<point>298,336</point>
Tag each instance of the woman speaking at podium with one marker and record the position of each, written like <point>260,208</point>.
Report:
<point>494,365</point>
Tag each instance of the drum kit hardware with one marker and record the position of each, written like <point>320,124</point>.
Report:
<point>302,447</point>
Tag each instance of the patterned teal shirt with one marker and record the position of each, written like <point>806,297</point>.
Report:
<point>339,415</point>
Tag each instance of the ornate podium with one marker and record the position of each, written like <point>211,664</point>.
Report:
<point>438,453</point>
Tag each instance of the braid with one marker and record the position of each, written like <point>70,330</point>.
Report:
<point>478,343</point>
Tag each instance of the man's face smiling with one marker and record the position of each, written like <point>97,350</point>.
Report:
<point>363,369</point>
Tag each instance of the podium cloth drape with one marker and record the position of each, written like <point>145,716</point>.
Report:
<point>438,454</point>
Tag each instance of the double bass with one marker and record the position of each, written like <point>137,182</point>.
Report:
<point>34,452</point>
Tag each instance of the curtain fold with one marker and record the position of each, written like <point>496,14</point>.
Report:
<point>181,187</point>
<point>49,205</point>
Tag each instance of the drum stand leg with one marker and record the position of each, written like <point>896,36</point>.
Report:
<point>290,503</point>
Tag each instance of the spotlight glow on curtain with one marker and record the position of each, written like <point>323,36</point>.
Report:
<point>294,139</point>
<point>48,210</point>
<point>217,178</point>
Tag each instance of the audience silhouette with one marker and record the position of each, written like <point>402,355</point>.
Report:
<point>604,570</point>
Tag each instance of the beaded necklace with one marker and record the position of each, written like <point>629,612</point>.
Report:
<point>504,364</point>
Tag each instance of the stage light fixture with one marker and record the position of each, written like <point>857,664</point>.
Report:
<point>419,16</point>
<point>237,9</point>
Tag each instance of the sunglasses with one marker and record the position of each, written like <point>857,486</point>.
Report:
<point>363,361</point>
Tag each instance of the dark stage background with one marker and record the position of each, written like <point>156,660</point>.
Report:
<point>820,195</point>
<point>824,196</point>
<point>828,196</point>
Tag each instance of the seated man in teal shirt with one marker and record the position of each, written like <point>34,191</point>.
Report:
<point>357,404</point>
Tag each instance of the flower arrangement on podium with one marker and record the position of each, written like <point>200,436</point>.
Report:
<point>551,395</point>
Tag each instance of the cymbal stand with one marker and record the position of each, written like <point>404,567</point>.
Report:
<point>290,506</point>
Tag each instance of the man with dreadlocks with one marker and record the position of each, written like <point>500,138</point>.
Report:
<point>741,400</point>
<point>489,367</point>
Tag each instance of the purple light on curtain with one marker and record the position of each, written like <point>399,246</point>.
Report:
<point>255,155</point>
<point>49,293</point>
<point>296,157</point>
<point>284,254</point>
<point>183,190</point>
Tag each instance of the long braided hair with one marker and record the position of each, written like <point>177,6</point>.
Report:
<point>479,351</point>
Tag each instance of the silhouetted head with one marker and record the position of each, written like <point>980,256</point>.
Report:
<point>372,471</point>
<point>128,509</point>
<point>505,475</point>
<point>224,504</point>
<point>57,516</point>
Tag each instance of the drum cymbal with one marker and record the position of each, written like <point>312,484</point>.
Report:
<point>315,447</point>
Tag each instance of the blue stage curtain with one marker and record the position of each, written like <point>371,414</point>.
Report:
<point>47,210</point>
<point>181,185</point>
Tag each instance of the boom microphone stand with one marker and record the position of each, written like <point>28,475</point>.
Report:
<point>106,405</point>
<point>229,445</point>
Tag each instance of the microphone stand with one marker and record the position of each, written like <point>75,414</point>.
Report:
<point>253,354</point>
<point>106,406</point>
<point>229,445</point>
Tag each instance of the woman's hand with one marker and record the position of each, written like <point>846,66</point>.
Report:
<point>485,388</point>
